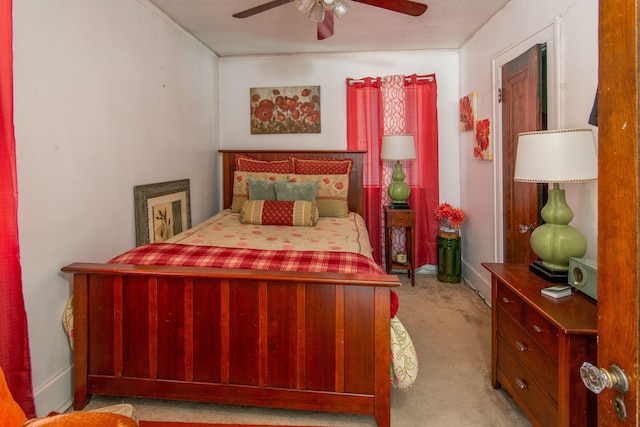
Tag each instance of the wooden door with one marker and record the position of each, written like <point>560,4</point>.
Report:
<point>618,182</point>
<point>523,107</point>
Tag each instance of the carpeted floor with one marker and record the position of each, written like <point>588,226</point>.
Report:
<point>450,327</point>
<point>179,424</point>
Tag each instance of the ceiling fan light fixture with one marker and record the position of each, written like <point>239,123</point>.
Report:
<point>340,7</point>
<point>305,6</point>
<point>316,14</point>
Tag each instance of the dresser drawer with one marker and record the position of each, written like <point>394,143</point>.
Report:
<point>545,333</point>
<point>509,302</point>
<point>402,219</point>
<point>530,355</point>
<point>526,389</point>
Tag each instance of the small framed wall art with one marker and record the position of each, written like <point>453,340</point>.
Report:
<point>162,210</point>
<point>482,146</point>
<point>468,109</point>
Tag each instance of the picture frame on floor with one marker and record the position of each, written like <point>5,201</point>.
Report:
<point>162,210</point>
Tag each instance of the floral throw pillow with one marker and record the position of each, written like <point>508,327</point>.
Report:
<point>332,196</point>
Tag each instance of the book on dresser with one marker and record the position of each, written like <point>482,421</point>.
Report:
<point>557,291</point>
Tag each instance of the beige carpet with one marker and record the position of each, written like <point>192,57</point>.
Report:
<point>450,327</point>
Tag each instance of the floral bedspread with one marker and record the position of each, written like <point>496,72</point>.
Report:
<point>347,234</point>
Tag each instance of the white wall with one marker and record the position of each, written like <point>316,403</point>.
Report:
<point>574,33</point>
<point>330,71</point>
<point>108,95</point>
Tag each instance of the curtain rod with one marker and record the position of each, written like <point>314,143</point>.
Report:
<point>430,78</point>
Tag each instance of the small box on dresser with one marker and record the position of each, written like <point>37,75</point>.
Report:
<point>538,344</point>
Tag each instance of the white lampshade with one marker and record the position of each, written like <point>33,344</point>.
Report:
<point>398,147</point>
<point>556,156</point>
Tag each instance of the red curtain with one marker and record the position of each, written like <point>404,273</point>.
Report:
<point>364,132</point>
<point>421,121</point>
<point>14,340</point>
<point>410,107</point>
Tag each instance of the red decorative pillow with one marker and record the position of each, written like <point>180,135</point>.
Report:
<point>249,164</point>
<point>310,166</point>
<point>279,212</point>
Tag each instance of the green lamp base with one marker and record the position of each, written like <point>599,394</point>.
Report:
<point>399,190</point>
<point>556,241</point>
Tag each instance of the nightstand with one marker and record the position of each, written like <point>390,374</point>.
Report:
<point>401,218</point>
<point>538,344</point>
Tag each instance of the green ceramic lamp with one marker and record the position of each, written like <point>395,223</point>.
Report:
<point>398,148</point>
<point>554,157</point>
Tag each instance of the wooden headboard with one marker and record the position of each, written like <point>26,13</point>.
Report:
<point>356,196</point>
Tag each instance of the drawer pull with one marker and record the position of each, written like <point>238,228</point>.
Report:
<point>538,329</point>
<point>506,300</point>
<point>522,383</point>
<point>521,347</point>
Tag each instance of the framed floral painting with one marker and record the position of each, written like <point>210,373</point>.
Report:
<point>482,147</point>
<point>468,110</point>
<point>294,109</point>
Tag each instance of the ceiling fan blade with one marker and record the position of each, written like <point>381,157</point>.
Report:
<point>325,28</point>
<point>263,7</point>
<point>401,6</point>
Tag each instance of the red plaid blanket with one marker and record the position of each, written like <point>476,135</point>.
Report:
<point>241,258</point>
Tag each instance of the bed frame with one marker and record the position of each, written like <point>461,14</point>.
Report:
<point>308,341</point>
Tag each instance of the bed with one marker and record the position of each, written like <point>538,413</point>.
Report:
<point>303,340</point>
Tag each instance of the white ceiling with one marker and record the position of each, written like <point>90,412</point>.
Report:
<point>446,24</point>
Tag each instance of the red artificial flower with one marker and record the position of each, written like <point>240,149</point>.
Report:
<point>454,216</point>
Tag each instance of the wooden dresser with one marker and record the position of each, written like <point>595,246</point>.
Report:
<point>538,344</point>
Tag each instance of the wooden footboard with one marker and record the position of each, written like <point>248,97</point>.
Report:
<point>310,341</point>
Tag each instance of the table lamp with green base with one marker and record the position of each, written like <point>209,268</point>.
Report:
<point>557,156</point>
<point>398,147</point>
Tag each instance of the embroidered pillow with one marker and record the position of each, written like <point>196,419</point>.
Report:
<point>279,212</point>
<point>249,164</point>
<point>286,190</point>
<point>310,166</point>
<point>332,196</point>
<point>261,190</point>
<point>241,185</point>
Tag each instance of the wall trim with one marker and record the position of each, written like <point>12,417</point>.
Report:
<point>55,393</point>
<point>549,34</point>
<point>476,281</point>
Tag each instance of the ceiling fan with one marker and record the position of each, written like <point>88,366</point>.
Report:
<point>323,11</point>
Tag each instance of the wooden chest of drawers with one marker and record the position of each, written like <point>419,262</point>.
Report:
<point>538,345</point>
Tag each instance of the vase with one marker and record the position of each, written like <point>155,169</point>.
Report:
<point>445,229</point>
<point>449,253</point>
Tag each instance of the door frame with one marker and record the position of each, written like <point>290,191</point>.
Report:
<point>550,35</point>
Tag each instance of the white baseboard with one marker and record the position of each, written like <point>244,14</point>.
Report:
<point>55,395</point>
<point>477,282</point>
